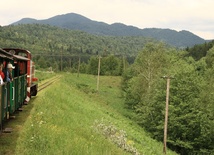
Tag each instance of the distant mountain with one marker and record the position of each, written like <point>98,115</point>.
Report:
<point>74,21</point>
<point>27,21</point>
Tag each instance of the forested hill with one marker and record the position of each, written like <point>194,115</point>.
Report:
<point>74,21</point>
<point>52,39</point>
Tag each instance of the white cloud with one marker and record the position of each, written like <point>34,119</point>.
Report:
<point>192,15</point>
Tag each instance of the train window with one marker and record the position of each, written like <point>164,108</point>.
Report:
<point>12,52</point>
<point>22,54</point>
<point>22,67</point>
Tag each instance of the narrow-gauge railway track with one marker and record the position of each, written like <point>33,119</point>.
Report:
<point>48,83</point>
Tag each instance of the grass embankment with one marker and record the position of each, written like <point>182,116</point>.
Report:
<point>70,117</point>
<point>8,140</point>
<point>44,75</point>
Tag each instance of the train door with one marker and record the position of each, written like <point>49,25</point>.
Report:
<point>1,109</point>
<point>10,87</point>
<point>4,104</point>
<point>4,101</point>
<point>12,97</point>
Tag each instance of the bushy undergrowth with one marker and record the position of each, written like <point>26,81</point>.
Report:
<point>119,137</point>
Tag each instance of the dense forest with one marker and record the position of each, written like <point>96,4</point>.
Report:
<point>199,51</point>
<point>53,44</point>
<point>141,62</point>
<point>191,117</point>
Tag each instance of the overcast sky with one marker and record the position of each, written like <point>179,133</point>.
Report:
<point>195,16</point>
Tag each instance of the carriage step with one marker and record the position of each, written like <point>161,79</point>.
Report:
<point>7,130</point>
<point>20,109</point>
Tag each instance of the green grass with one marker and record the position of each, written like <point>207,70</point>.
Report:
<point>71,117</point>
<point>8,140</point>
<point>43,75</point>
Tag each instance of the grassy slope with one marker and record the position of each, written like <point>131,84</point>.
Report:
<point>8,140</point>
<point>71,118</point>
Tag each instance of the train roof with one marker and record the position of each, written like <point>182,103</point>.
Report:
<point>10,53</point>
<point>18,57</point>
<point>6,55</point>
<point>16,50</point>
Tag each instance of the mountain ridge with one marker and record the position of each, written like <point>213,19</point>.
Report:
<point>73,21</point>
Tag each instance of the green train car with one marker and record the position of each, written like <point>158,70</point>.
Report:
<point>17,81</point>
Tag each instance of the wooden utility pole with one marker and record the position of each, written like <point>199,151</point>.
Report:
<point>124,64</point>
<point>78,67</point>
<point>98,76</point>
<point>166,112</point>
<point>61,60</point>
<point>70,64</point>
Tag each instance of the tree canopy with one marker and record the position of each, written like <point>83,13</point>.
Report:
<point>190,125</point>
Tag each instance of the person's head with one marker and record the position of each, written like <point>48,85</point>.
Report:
<point>10,67</point>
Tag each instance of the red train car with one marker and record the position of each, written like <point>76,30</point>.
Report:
<point>29,68</point>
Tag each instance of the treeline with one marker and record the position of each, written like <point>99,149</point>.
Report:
<point>87,63</point>
<point>191,107</point>
<point>199,51</point>
<point>110,64</point>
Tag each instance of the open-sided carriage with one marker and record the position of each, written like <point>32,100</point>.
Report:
<point>23,85</point>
